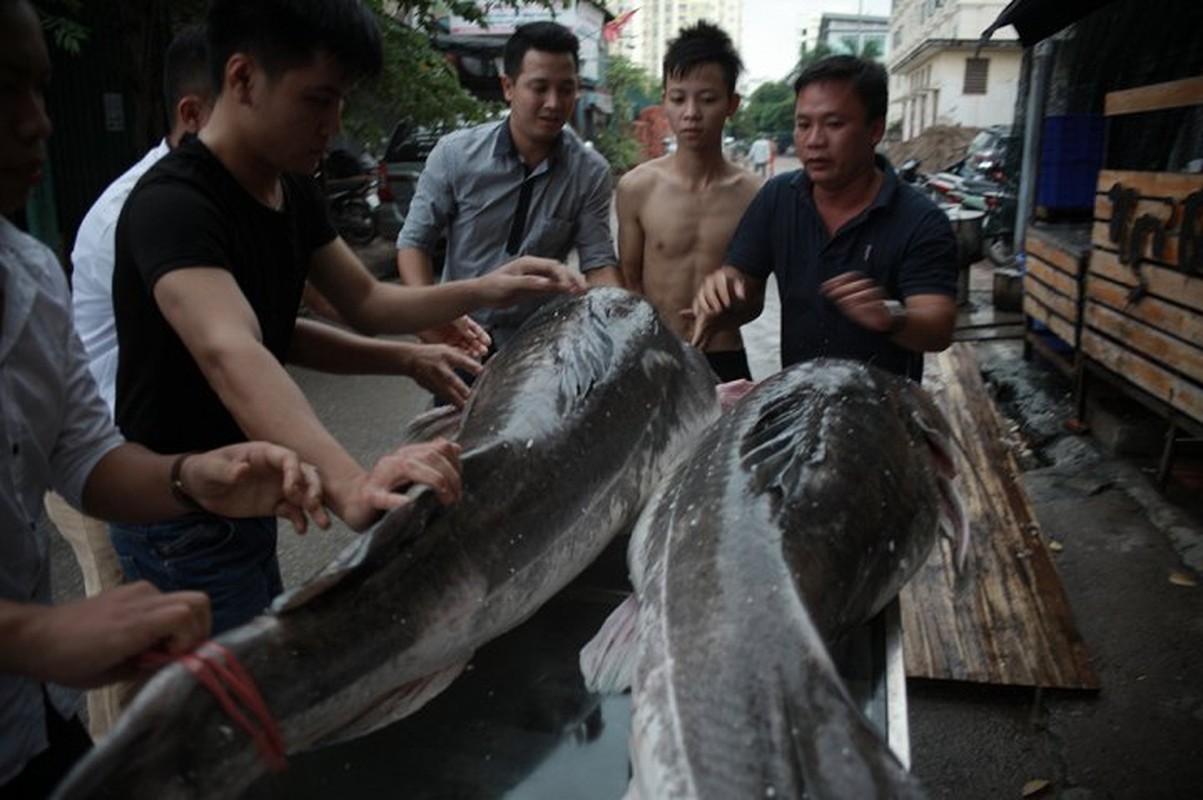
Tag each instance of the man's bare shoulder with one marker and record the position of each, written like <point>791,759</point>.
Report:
<point>644,176</point>
<point>742,180</point>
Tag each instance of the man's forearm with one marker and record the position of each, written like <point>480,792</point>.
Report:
<point>930,324</point>
<point>131,484</point>
<point>267,404</point>
<point>415,267</point>
<point>327,348</point>
<point>605,276</point>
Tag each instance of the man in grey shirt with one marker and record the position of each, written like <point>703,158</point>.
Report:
<point>526,185</point>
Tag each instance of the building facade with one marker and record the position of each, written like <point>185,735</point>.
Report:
<point>941,73</point>
<point>645,37</point>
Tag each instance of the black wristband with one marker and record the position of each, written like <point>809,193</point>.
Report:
<point>177,485</point>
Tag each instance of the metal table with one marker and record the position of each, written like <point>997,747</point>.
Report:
<point>519,724</point>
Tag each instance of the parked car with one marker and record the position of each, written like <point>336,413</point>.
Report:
<point>403,160</point>
<point>990,153</point>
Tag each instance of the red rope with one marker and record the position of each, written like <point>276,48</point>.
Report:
<point>217,669</point>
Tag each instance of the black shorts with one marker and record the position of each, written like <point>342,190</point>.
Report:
<point>730,365</point>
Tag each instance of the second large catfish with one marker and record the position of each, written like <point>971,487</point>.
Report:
<point>798,515</point>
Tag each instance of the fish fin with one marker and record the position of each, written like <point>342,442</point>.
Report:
<point>732,392</point>
<point>440,421</point>
<point>608,660</point>
<point>403,701</point>
<point>954,521</point>
<point>632,791</point>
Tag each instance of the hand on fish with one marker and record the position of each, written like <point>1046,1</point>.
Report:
<point>433,367</point>
<point>94,641</point>
<point>464,334</point>
<point>860,299</point>
<point>435,464</point>
<point>528,276</point>
<point>256,479</point>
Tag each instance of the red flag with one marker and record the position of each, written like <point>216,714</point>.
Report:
<point>612,29</point>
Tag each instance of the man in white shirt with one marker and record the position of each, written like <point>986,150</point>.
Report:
<point>188,93</point>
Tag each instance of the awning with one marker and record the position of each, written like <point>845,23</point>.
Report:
<point>1035,20</point>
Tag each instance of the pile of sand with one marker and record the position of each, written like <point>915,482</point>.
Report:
<point>937,148</point>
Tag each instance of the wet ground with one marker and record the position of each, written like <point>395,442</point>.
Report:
<point>1128,561</point>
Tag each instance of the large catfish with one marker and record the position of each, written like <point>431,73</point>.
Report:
<point>798,516</point>
<point>566,434</point>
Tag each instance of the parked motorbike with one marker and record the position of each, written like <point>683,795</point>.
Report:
<point>353,211</point>
<point>351,196</point>
<point>989,192</point>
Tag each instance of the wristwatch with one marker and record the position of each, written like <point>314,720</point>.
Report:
<point>897,315</point>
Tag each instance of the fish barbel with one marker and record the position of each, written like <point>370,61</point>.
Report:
<point>795,519</point>
<point>565,435</point>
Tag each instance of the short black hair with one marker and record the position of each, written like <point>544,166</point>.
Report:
<point>186,67</point>
<point>547,37</point>
<point>703,43</point>
<point>285,34</point>
<point>868,79</point>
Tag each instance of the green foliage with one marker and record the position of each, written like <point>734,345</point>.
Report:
<point>417,85</point>
<point>58,20</point>
<point>632,89</point>
<point>769,110</point>
<point>620,149</point>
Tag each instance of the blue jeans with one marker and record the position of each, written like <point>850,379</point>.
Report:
<point>231,560</point>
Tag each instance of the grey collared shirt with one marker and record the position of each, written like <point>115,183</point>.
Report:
<point>53,430</point>
<point>470,189</point>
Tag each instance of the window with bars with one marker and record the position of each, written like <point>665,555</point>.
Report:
<point>976,70</point>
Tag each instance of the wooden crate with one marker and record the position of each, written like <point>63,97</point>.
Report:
<point>1142,319</point>
<point>1054,274</point>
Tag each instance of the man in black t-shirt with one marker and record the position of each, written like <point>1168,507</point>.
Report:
<point>213,248</point>
<point>865,265</point>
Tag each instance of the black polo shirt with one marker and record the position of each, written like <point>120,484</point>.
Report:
<point>902,240</point>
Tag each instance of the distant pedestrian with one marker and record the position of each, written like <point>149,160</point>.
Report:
<point>760,152</point>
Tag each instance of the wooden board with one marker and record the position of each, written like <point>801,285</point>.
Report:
<point>1173,390</point>
<point>1154,97</point>
<point>1005,619</point>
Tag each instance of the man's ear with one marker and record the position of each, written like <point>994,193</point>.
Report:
<point>733,104</point>
<point>507,87</point>
<point>877,131</point>
<point>240,75</point>
<point>190,113</point>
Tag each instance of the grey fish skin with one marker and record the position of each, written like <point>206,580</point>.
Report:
<point>798,516</point>
<point>566,434</point>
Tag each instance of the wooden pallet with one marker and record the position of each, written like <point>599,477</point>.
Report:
<point>1005,619</point>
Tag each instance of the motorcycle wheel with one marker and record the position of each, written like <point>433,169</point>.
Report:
<point>1000,252</point>
<point>355,222</point>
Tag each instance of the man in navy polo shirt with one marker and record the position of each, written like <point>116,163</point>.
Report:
<point>866,266</point>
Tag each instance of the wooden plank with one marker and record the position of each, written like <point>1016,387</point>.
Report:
<point>1068,284</point>
<point>1155,96</point>
<point>1164,282</point>
<point>1172,353</point>
<point>1061,305</point>
<point>1179,322</point>
<point>1063,330</point>
<point>1149,184</point>
<point>1175,391</point>
<point>1005,618</point>
<point>1050,254</point>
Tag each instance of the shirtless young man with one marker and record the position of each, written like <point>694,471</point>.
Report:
<point>676,214</point>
